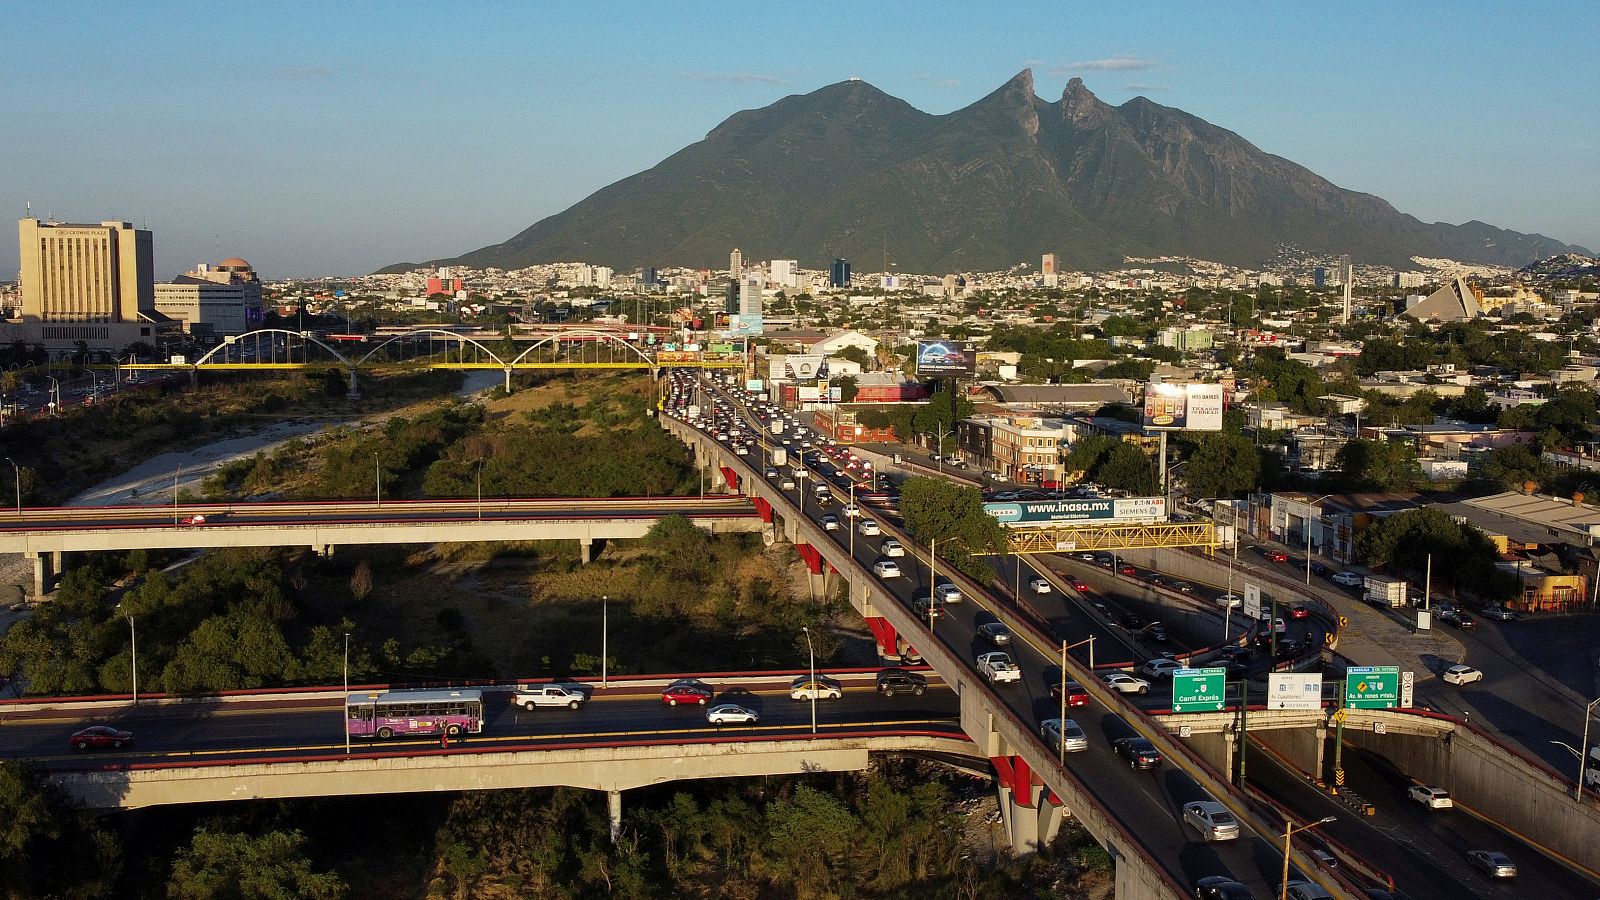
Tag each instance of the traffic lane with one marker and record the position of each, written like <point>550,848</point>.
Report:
<point>1064,610</point>
<point>163,517</point>
<point>602,721</point>
<point>1386,840</point>
<point>1154,810</point>
<point>1450,833</point>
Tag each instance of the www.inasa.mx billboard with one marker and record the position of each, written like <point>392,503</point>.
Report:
<point>1103,511</point>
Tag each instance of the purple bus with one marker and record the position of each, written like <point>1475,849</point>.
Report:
<point>385,714</point>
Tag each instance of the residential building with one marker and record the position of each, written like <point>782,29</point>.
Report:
<point>785,273</point>
<point>1058,398</point>
<point>1025,449</point>
<point>735,265</point>
<point>1184,340</point>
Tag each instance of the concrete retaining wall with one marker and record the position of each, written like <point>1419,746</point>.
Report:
<point>1497,785</point>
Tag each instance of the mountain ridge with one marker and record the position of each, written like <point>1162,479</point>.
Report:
<point>847,170</point>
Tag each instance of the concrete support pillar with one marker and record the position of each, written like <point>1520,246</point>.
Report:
<point>354,393</point>
<point>614,813</point>
<point>586,550</point>
<point>1021,822</point>
<point>58,562</point>
<point>41,575</point>
<point>769,535</point>
<point>1051,813</point>
<point>508,379</point>
<point>325,551</point>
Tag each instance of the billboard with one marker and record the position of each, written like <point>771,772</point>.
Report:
<point>808,393</point>
<point>805,368</point>
<point>743,326</point>
<point>755,384</point>
<point>946,358</point>
<point>1293,690</point>
<point>1103,511</point>
<point>1183,407</point>
<point>677,356</point>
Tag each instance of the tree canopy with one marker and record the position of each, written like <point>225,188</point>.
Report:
<point>935,509</point>
<point>1223,465</point>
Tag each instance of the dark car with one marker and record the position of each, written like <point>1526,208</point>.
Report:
<point>1241,655</point>
<point>899,681</point>
<point>1319,569</point>
<point>1462,620</point>
<point>1299,611</point>
<point>1131,620</point>
<point>1157,632</point>
<point>1220,887</point>
<point>97,736</point>
<point>1140,753</point>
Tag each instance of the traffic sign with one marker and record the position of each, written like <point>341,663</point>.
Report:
<point>1252,601</point>
<point>1372,687</point>
<point>1199,690</point>
<point>1294,690</point>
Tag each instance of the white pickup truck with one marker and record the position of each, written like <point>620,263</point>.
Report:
<point>531,695</point>
<point>998,667</point>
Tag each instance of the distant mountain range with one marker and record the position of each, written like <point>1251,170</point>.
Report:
<point>849,171</point>
<point>1566,265</point>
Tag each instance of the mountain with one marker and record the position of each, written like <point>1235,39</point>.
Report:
<point>849,171</point>
<point>1566,265</point>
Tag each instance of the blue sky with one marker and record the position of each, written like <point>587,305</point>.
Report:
<point>338,137</point>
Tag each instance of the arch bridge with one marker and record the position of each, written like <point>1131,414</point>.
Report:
<point>271,349</point>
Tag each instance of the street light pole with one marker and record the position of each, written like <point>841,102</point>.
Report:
<point>480,488</point>
<point>1290,831</point>
<point>16,475</point>
<point>1061,748</point>
<point>853,520</point>
<point>347,693</point>
<point>133,652</point>
<point>812,652</point>
<point>1583,755</point>
<point>933,578</point>
<point>605,634</point>
<point>377,480</point>
<point>175,473</point>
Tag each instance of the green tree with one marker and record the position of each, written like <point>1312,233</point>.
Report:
<point>232,866</point>
<point>847,385</point>
<point>938,510</point>
<point>1223,465</point>
<point>1464,559</point>
<point>856,355</point>
<point>811,835</point>
<point>1128,468</point>
<point>1087,453</point>
<point>1378,465</point>
<point>1509,466</point>
<point>230,652</point>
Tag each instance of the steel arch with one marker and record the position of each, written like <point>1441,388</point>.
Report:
<point>438,331</point>
<point>303,335</point>
<point>588,332</point>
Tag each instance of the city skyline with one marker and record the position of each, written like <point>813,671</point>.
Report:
<point>340,143</point>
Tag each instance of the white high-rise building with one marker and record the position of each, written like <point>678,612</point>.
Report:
<point>602,276</point>
<point>750,297</point>
<point>786,273</point>
<point>735,264</point>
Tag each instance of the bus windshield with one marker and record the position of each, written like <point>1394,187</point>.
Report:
<point>386,714</point>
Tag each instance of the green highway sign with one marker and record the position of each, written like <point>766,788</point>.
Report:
<point>1199,690</point>
<point>1372,687</point>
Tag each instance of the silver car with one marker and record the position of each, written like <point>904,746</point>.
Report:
<point>1063,734</point>
<point>1212,820</point>
<point>1492,863</point>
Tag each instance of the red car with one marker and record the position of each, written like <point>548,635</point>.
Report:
<point>1128,570</point>
<point>1277,556</point>
<point>1076,695</point>
<point>1080,586</point>
<point>686,692</point>
<point>99,736</point>
<point>1298,612</point>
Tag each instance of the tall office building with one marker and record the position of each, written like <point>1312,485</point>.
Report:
<point>85,273</point>
<point>730,299</point>
<point>786,273</point>
<point>735,265</point>
<point>1047,266</point>
<point>216,300</point>
<point>839,274</point>
<point>750,297</point>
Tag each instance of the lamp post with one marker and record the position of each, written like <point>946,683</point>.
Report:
<point>133,652</point>
<point>16,476</point>
<point>55,395</point>
<point>1227,614</point>
<point>605,634</point>
<point>812,653</point>
<point>853,520</point>
<point>175,474</point>
<point>933,579</point>
<point>1583,755</point>
<point>480,488</point>
<point>377,480</point>
<point>1289,831</point>
<point>347,692</point>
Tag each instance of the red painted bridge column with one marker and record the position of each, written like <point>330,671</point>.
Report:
<point>888,640</point>
<point>763,507</point>
<point>732,477</point>
<point>812,557</point>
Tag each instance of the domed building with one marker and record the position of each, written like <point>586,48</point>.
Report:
<point>214,300</point>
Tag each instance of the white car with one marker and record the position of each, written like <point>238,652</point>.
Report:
<point>892,547</point>
<point>1460,675</point>
<point>1212,820</point>
<point>1348,579</point>
<point>886,568</point>
<point>1431,797</point>
<point>803,688</point>
<point>1126,683</point>
<point>998,667</point>
<point>741,450</point>
<point>869,527</point>
<point>830,523</point>
<point>948,593</point>
<point>1160,667</point>
<point>786,485</point>
<point>851,510</point>
<point>1229,601</point>
<point>731,714</point>
<point>1039,586</point>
